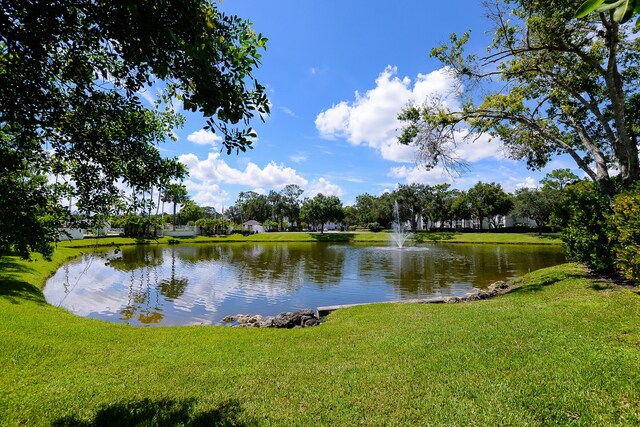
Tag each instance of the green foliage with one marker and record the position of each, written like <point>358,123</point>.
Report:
<point>488,201</point>
<point>175,194</point>
<point>558,179</point>
<point>211,227</point>
<point>270,225</point>
<point>566,87</point>
<point>584,215</point>
<point>28,199</point>
<point>251,205</point>
<point>322,209</point>
<point>374,226</point>
<point>622,10</point>
<point>413,200</point>
<point>72,74</point>
<point>536,204</point>
<point>141,226</point>
<point>191,212</point>
<point>626,220</point>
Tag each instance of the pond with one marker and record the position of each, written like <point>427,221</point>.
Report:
<point>201,284</point>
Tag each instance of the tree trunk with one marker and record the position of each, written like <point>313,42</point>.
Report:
<point>174,216</point>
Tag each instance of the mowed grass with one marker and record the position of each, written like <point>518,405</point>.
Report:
<point>354,237</point>
<point>562,349</point>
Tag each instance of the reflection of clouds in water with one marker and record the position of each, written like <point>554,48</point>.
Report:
<point>202,283</point>
<point>211,290</point>
<point>89,285</point>
<point>99,289</point>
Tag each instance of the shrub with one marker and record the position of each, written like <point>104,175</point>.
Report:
<point>140,226</point>
<point>584,214</point>
<point>374,226</point>
<point>209,227</point>
<point>626,220</point>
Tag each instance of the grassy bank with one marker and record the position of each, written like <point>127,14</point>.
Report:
<point>382,237</point>
<point>561,349</point>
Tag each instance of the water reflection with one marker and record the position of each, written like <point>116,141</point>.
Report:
<point>203,283</point>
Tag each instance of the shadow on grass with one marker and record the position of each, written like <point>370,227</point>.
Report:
<point>332,237</point>
<point>432,236</point>
<point>548,279</point>
<point>14,289</point>
<point>165,412</point>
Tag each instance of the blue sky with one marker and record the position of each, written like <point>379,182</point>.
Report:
<point>337,73</point>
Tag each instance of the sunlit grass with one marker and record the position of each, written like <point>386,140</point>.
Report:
<point>561,349</point>
<point>385,237</point>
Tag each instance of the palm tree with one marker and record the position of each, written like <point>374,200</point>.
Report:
<point>175,193</point>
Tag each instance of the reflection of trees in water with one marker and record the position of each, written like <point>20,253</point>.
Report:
<point>137,257</point>
<point>270,265</point>
<point>148,293</point>
<point>439,268</point>
<point>174,287</point>
<point>142,300</point>
<point>141,263</point>
<point>286,266</point>
<point>197,254</point>
<point>326,267</point>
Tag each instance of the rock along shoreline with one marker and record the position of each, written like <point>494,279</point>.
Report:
<point>307,317</point>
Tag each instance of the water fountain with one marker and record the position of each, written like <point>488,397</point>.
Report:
<point>399,233</point>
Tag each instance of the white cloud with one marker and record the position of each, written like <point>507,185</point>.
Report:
<point>529,182</point>
<point>421,175</point>
<point>371,119</point>
<point>288,111</point>
<point>145,93</point>
<point>481,148</point>
<point>204,137</point>
<point>325,187</point>
<point>298,158</point>
<point>208,194</point>
<point>216,170</point>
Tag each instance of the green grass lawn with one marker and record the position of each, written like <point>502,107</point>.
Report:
<point>563,348</point>
<point>421,237</point>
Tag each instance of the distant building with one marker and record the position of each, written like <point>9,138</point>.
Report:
<point>253,226</point>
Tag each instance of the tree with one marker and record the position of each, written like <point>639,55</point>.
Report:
<point>566,86</point>
<point>536,204</point>
<point>350,216</point>
<point>276,203</point>
<point>587,230</point>
<point>190,212</point>
<point>253,206</point>
<point>441,206</point>
<point>291,198</point>
<point>384,208</point>
<point>210,212</point>
<point>558,179</point>
<point>489,201</point>
<point>70,103</point>
<point>322,209</point>
<point>412,200</point>
<point>461,208</point>
<point>175,194</point>
<point>366,211</point>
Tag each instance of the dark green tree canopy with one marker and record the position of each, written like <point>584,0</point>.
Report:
<point>70,109</point>
<point>322,209</point>
<point>550,84</point>
<point>488,201</point>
